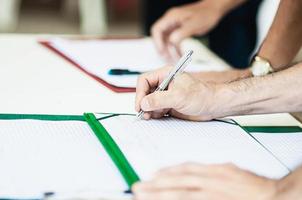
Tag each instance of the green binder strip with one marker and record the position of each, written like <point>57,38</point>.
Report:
<point>112,149</point>
<point>273,129</point>
<point>43,117</point>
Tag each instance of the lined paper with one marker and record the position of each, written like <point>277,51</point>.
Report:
<point>99,56</point>
<point>154,144</point>
<point>46,156</point>
<point>286,146</point>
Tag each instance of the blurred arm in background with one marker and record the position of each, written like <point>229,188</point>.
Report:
<point>280,46</point>
<point>189,20</point>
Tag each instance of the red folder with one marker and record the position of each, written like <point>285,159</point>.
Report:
<point>111,87</point>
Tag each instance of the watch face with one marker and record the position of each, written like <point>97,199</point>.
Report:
<point>261,68</point>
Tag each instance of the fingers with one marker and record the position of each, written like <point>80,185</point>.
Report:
<point>145,83</point>
<point>158,100</point>
<point>173,182</point>
<point>189,168</point>
<point>148,82</point>
<point>160,32</point>
<point>171,195</point>
<point>182,32</point>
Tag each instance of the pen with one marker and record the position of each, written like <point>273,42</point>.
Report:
<point>88,195</point>
<point>120,72</point>
<point>178,69</point>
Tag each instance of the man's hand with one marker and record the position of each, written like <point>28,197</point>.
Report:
<point>181,22</point>
<point>206,182</point>
<point>185,21</point>
<point>186,98</point>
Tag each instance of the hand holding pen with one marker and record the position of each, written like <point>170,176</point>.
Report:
<point>178,69</point>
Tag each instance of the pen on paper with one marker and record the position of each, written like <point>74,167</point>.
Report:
<point>178,69</point>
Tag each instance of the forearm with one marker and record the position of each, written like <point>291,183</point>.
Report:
<point>284,38</point>
<point>222,77</point>
<point>278,92</point>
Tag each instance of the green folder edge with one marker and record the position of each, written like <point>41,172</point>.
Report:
<point>112,148</point>
<point>100,132</point>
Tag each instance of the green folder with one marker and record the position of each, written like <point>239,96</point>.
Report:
<point>117,156</point>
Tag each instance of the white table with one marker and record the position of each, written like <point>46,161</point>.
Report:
<point>35,80</point>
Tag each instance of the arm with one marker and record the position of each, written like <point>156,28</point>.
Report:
<point>281,45</point>
<point>213,182</point>
<point>192,19</point>
<point>284,38</point>
<point>191,99</point>
<point>278,92</point>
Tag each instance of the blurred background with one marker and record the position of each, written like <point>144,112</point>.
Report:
<point>96,17</point>
<point>235,39</point>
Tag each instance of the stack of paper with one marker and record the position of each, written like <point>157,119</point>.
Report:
<point>99,56</point>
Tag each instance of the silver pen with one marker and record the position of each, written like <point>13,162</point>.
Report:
<point>178,69</point>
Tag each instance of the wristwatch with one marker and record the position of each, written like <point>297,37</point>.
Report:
<point>261,66</point>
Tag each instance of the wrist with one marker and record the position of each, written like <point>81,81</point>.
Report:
<point>240,74</point>
<point>222,96</point>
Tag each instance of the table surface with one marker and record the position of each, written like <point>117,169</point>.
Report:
<point>35,80</point>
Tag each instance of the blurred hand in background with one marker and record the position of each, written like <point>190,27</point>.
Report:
<point>185,21</point>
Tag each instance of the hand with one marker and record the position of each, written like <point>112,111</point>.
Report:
<point>182,22</point>
<point>222,76</point>
<point>206,182</point>
<point>186,98</point>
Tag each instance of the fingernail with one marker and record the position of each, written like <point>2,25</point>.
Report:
<point>145,104</point>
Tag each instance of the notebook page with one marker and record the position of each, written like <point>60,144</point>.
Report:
<point>152,145</point>
<point>42,156</point>
<point>286,146</point>
<point>99,56</point>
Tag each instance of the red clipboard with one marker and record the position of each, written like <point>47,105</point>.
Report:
<point>98,79</point>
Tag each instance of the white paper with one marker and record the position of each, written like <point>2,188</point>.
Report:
<point>99,56</point>
<point>152,145</point>
<point>47,156</point>
<point>285,146</point>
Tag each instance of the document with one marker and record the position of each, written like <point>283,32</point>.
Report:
<point>287,147</point>
<point>95,155</point>
<point>99,56</point>
<point>155,144</point>
<point>54,156</point>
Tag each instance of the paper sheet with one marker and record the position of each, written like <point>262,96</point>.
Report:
<point>99,56</point>
<point>152,145</point>
<point>285,146</point>
<point>47,156</point>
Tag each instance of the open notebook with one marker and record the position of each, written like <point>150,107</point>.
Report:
<point>97,57</point>
<point>45,153</point>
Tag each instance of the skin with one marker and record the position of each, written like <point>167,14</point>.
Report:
<point>189,98</point>
<point>286,29</point>
<point>185,21</point>
<point>215,182</point>
<point>199,97</point>
<point>192,99</point>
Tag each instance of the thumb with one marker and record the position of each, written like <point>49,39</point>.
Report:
<point>157,101</point>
